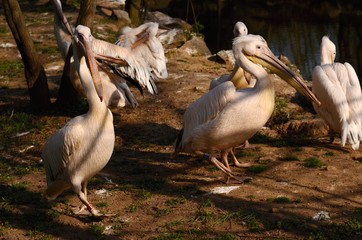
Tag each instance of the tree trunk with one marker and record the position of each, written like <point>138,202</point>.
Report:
<point>86,13</point>
<point>34,70</point>
<point>67,95</point>
<point>133,8</point>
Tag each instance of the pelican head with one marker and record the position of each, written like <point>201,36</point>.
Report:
<point>328,51</point>
<point>83,39</point>
<point>255,49</point>
<point>240,29</point>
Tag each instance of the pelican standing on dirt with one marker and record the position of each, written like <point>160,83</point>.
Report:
<point>241,79</point>
<point>337,86</point>
<point>85,144</point>
<point>224,117</point>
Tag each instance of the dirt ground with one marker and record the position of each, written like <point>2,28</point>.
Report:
<point>154,195</point>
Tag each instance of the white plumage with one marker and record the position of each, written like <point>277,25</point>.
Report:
<point>337,87</point>
<point>224,117</point>
<point>81,148</point>
<point>139,62</point>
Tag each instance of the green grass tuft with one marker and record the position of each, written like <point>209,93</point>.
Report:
<point>312,162</point>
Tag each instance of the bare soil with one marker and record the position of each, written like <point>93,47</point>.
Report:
<point>155,195</point>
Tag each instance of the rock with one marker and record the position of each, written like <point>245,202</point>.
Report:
<point>224,57</point>
<point>173,38</point>
<point>306,127</point>
<point>196,46</point>
<point>122,17</point>
<point>167,22</point>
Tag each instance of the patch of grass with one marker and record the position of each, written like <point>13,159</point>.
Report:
<point>133,207</point>
<point>352,227</point>
<point>11,68</point>
<point>4,29</point>
<point>169,236</point>
<point>257,168</point>
<point>52,214</point>
<point>228,216</point>
<point>158,212</point>
<point>289,158</point>
<point>227,236</point>
<point>101,204</point>
<point>358,210</point>
<point>96,229</point>
<point>280,114</point>
<point>174,202</point>
<point>245,154</point>
<point>252,223</point>
<point>143,194</point>
<point>251,197</point>
<point>281,199</point>
<point>173,224</point>
<point>316,236</point>
<point>312,162</point>
<point>204,215</point>
<point>329,154</point>
<point>285,224</point>
<point>280,143</point>
<point>207,203</point>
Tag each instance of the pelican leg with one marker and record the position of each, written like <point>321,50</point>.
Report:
<point>224,157</point>
<point>237,163</point>
<point>227,171</point>
<point>81,191</point>
<point>244,145</point>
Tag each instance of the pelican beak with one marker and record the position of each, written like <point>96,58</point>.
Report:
<point>92,65</point>
<point>269,61</point>
<point>141,38</point>
<point>238,78</point>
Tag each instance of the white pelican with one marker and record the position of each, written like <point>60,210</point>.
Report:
<point>132,66</point>
<point>224,117</point>
<point>151,50</point>
<point>85,144</point>
<point>241,79</point>
<point>337,86</point>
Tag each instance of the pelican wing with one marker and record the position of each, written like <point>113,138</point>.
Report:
<point>331,92</point>
<point>59,148</point>
<point>150,48</point>
<point>205,109</point>
<point>354,97</point>
<point>137,68</point>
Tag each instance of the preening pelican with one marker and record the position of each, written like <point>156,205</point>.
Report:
<point>337,86</point>
<point>81,148</point>
<point>150,50</point>
<point>224,117</point>
<point>131,65</point>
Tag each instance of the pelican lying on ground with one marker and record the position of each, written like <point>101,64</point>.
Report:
<point>85,144</point>
<point>224,117</point>
<point>337,86</point>
<point>131,66</point>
